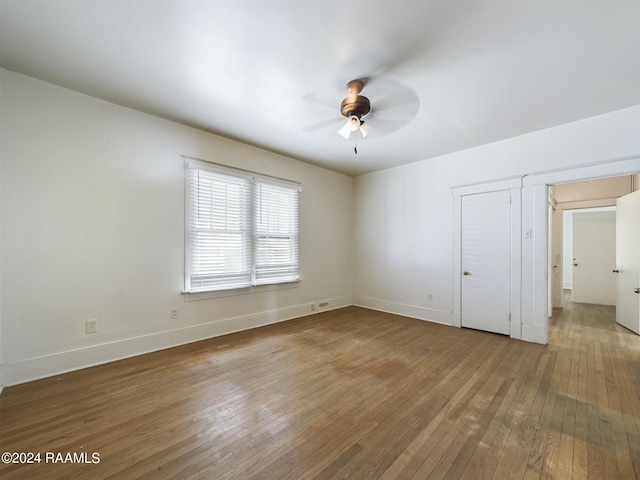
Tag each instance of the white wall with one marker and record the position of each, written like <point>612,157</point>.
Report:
<point>404,215</point>
<point>93,227</point>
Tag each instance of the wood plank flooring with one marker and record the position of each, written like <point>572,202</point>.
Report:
<point>351,393</point>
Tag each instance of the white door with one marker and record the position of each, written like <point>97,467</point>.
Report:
<point>486,262</point>
<point>628,261</point>
<point>594,257</point>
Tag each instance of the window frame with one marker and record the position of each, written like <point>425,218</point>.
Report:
<point>251,236</point>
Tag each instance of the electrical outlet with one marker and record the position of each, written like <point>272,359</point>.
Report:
<point>91,326</point>
<point>174,313</point>
<point>430,297</point>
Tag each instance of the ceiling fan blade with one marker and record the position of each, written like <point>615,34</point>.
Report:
<point>318,99</point>
<point>393,105</point>
<point>381,127</point>
<point>407,100</point>
<point>314,127</point>
<point>380,60</point>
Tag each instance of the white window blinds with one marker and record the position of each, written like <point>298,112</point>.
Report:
<point>241,229</point>
<point>275,233</point>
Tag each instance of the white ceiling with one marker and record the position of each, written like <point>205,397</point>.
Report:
<point>267,72</point>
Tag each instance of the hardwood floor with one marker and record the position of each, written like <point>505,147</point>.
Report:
<point>351,393</point>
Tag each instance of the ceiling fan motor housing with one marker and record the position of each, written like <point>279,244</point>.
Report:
<point>358,106</point>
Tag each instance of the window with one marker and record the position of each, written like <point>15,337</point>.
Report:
<point>241,229</point>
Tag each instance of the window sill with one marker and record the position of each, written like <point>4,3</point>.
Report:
<point>196,296</point>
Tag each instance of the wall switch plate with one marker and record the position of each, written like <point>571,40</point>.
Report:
<point>430,297</point>
<point>174,313</point>
<point>91,326</point>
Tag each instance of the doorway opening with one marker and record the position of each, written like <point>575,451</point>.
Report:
<point>582,240</point>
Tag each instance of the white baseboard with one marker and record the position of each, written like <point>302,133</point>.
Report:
<point>77,359</point>
<point>421,313</point>
<point>534,334</point>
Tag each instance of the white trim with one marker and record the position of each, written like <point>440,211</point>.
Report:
<point>514,185</point>
<point>412,311</point>
<point>198,163</point>
<point>456,314</point>
<point>486,187</point>
<point>534,334</point>
<point>534,208</point>
<point>234,292</point>
<point>62,362</point>
<point>516,262</point>
<point>579,204</point>
<point>603,169</point>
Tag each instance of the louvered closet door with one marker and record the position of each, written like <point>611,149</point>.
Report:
<point>486,261</point>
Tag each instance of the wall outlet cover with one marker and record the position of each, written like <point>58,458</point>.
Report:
<point>91,326</point>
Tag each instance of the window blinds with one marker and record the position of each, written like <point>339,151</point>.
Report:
<point>241,229</point>
<point>275,233</point>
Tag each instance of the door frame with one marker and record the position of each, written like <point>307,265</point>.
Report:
<point>514,185</point>
<point>535,323</point>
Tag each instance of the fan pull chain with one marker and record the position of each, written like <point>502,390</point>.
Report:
<point>355,143</point>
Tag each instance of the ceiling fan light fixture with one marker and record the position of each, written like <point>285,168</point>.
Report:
<point>354,123</point>
<point>345,131</point>
<point>364,129</point>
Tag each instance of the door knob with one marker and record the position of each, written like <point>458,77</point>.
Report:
<point>465,273</point>
<point>637,290</point>
<point>616,271</point>
<point>575,264</point>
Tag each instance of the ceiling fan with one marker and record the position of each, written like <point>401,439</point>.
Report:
<point>391,107</point>
<point>354,107</point>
